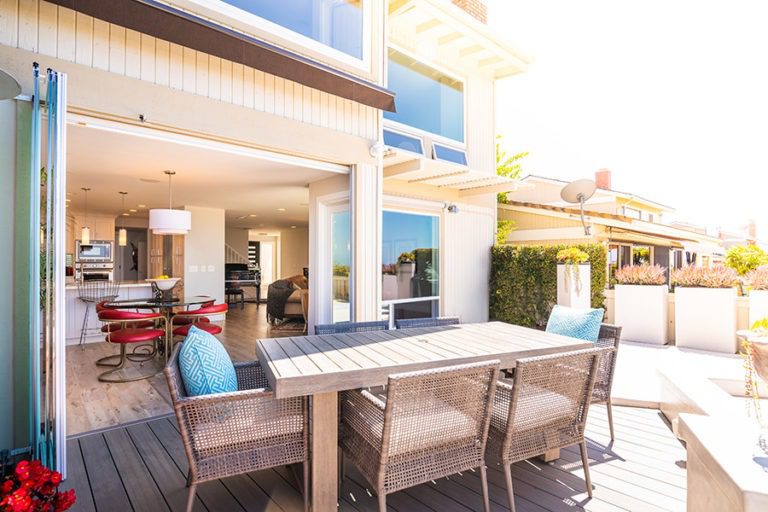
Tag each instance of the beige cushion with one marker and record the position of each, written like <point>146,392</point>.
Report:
<point>241,432</point>
<point>537,407</point>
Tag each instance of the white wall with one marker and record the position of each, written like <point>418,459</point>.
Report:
<point>237,238</point>
<point>467,240</point>
<point>204,253</point>
<point>7,187</point>
<point>294,251</point>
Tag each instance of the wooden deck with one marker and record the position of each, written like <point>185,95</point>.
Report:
<point>142,467</point>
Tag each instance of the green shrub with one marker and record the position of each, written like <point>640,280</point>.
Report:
<point>523,283</point>
<point>745,258</point>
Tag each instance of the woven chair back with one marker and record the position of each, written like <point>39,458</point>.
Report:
<point>549,403</point>
<point>441,409</point>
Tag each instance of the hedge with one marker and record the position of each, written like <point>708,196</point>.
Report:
<point>524,281</point>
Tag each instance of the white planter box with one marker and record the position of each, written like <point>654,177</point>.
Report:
<point>705,319</point>
<point>642,312</point>
<point>758,306</point>
<point>571,292</point>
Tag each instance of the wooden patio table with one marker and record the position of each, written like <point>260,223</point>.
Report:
<point>321,366</point>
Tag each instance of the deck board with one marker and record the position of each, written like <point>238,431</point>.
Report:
<point>640,471</point>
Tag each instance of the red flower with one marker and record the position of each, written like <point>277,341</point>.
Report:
<point>7,487</point>
<point>55,478</point>
<point>22,470</point>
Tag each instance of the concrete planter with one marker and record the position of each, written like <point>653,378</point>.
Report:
<point>573,287</point>
<point>642,312</point>
<point>705,319</point>
<point>758,306</point>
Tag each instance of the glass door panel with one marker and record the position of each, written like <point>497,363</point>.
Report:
<point>341,259</point>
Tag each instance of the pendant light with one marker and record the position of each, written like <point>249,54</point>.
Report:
<point>85,233</point>
<point>122,234</point>
<point>169,221</point>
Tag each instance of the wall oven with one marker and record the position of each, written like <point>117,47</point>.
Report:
<point>96,251</point>
<point>94,271</point>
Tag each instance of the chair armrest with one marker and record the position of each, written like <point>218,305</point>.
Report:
<point>501,404</point>
<point>251,375</point>
<point>361,410</point>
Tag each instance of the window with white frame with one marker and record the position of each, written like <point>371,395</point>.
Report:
<point>338,24</point>
<point>427,99</point>
<point>410,257</point>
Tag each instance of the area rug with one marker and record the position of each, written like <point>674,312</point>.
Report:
<point>291,325</point>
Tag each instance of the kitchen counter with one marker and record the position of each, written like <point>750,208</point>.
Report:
<point>75,310</point>
<point>123,284</point>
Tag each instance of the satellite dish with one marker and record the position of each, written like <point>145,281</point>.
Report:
<point>578,192</point>
<point>9,87</point>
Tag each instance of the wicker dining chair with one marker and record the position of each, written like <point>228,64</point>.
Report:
<point>609,338</point>
<point>347,327</point>
<point>432,424</point>
<point>545,408</point>
<point>228,434</point>
<point>440,321</point>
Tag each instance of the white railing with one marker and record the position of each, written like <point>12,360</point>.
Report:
<point>232,255</point>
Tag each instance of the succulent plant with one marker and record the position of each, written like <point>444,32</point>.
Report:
<point>717,276</point>
<point>641,274</point>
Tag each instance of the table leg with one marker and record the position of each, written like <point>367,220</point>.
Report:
<point>551,455</point>
<point>325,425</point>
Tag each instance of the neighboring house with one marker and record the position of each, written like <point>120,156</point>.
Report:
<point>744,235</point>
<point>632,228</point>
<point>375,117</point>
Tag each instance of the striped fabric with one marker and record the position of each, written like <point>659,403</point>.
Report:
<point>205,365</point>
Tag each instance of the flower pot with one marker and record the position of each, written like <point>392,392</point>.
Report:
<point>705,319</point>
<point>642,312</point>
<point>573,286</point>
<point>758,306</point>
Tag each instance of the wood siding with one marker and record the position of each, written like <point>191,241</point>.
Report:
<point>42,27</point>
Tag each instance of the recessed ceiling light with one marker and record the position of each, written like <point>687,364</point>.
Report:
<point>281,209</point>
<point>253,215</point>
<point>141,206</point>
<point>149,180</point>
<point>126,215</point>
<point>132,210</point>
<point>293,227</point>
<point>242,217</point>
<point>262,234</point>
<point>68,199</point>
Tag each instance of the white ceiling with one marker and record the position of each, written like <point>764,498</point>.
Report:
<point>250,189</point>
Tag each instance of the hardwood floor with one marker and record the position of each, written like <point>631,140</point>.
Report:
<point>143,466</point>
<point>93,405</point>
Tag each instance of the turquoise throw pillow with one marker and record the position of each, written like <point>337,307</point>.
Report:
<point>576,323</point>
<point>205,365</point>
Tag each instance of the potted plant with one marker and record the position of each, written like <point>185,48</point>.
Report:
<point>757,283</point>
<point>705,308</point>
<point>754,350</point>
<point>32,487</point>
<point>573,278</point>
<point>642,303</point>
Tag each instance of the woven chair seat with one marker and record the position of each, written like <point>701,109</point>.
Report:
<point>534,416</point>
<point>245,434</point>
<point>450,427</point>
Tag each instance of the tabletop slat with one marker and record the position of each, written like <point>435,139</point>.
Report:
<point>307,365</point>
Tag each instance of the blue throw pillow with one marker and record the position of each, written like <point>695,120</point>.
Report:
<point>205,365</point>
<point>576,323</point>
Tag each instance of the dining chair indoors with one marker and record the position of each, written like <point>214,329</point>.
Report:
<point>544,408</point>
<point>141,330</point>
<point>432,424</point>
<point>184,320</point>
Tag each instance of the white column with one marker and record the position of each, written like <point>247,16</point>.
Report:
<point>366,187</point>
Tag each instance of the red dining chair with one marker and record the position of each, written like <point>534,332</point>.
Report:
<point>129,331</point>
<point>113,326</point>
<point>183,321</point>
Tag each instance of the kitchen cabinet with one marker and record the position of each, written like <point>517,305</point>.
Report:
<point>102,226</point>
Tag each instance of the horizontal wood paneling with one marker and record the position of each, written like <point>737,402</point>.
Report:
<point>39,26</point>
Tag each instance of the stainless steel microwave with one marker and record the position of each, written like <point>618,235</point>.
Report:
<point>97,250</point>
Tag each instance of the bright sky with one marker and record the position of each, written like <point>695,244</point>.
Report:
<point>671,95</point>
